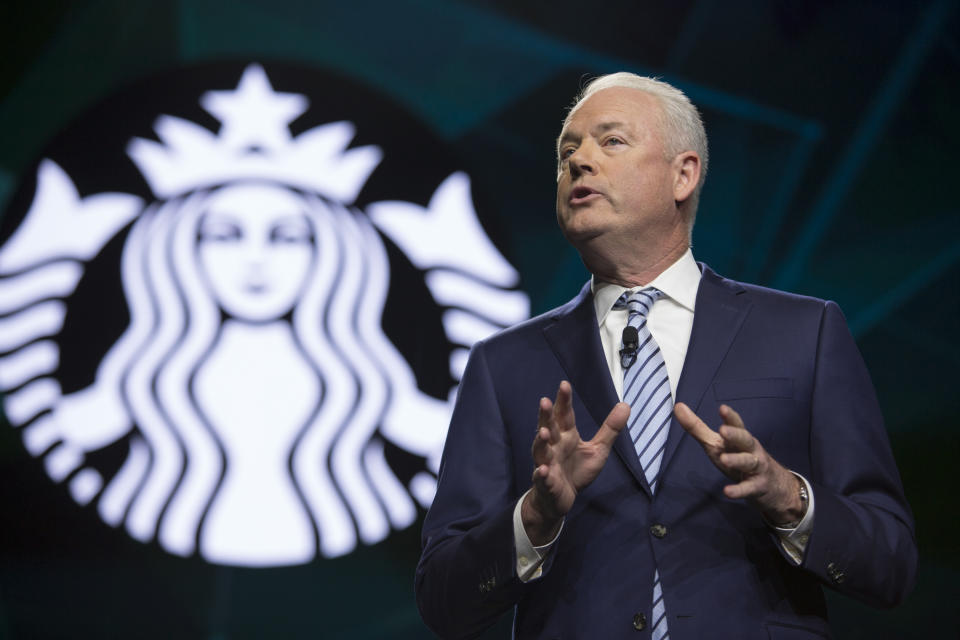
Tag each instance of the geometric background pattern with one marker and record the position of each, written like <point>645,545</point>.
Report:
<point>833,134</point>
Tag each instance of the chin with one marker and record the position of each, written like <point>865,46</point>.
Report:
<point>581,236</point>
<point>582,223</point>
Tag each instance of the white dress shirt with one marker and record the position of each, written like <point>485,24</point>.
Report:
<point>670,321</point>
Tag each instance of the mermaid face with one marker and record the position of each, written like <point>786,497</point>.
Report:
<point>256,246</point>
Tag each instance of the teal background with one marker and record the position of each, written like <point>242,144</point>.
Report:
<point>833,130</point>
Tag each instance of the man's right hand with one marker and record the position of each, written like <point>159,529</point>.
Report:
<point>565,464</point>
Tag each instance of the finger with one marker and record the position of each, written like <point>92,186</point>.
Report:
<point>612,426</point>
<point>737,438</point>
<point>545,420</point>
<point>745,463</point>
<point>696,427</point>
<point>540,473</point>
<point>731,417</point>
<point>749,488</point>
<point>545,476</point>
<point>540,450</point>
<point>543,434</point>
<point>563,407</point>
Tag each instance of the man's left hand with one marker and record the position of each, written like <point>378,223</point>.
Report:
<point>760,479</point>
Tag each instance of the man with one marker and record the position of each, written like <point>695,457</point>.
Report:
<point>685,531</point>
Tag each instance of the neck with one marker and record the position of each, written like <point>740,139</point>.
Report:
<point>635,266</point>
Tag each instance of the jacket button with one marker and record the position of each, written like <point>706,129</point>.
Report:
<point>835,573</point>
<point>658,530</point>
<point>639,622</point>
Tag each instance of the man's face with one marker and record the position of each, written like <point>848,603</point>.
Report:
<point>615,180</point>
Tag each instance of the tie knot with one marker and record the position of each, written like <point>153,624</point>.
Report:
<point>638,302</point>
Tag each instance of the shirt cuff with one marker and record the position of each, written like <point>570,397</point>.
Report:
<point>529,558</point>
<point>794,541</point>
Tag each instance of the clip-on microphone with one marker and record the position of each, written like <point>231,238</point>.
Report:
<point>631,341</point>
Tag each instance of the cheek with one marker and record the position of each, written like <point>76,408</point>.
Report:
<point>651,189</point>
<point>562,191</point>
<point>222,264</point>
<point>290,264</point>
<point>563,212</point>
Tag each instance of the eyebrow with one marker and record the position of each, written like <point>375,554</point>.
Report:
<point>603,127</point>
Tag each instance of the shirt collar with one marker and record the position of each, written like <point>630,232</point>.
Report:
<point>679,282</point>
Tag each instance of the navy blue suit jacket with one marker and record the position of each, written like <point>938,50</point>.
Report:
<point>788,365</point>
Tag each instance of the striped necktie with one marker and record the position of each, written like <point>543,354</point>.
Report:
<point>646,389</point>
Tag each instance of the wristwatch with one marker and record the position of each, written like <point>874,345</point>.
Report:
<point>805,499</point>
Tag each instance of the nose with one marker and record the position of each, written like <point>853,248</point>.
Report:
<point>582,160</point>
<point>256,255</point>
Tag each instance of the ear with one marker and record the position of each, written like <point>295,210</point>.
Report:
<point>686,175</point>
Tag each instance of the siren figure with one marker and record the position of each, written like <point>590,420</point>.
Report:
<point>254,385</point>
<point>248,380</point>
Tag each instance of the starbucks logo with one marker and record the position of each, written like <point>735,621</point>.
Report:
<point>206,311</point>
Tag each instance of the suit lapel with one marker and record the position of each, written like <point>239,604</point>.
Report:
<point>575,340</point>
<point>720,311</point>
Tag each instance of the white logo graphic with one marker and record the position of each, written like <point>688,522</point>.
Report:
<point>254,383</point>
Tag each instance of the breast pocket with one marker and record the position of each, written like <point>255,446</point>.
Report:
<point>768,408</point>
<point>753,388</point>
<point>791,632</point>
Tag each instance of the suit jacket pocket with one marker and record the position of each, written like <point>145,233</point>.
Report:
<point>753,388</point>
<point>791,632</point>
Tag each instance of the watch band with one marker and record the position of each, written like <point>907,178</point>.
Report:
<point>805,499</point>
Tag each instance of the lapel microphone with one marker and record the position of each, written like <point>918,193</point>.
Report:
<point>631,341</point>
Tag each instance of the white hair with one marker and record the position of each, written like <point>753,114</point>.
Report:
<point>682,126</point>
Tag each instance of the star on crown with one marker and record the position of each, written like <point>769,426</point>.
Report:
<point>254,142</point>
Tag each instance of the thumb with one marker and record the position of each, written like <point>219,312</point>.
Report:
<point>612,426</point>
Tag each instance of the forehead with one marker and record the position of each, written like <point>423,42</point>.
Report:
<point>254,199</point>
<point>625,105</point>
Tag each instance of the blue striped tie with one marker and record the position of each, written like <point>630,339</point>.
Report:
<point>646,389</point>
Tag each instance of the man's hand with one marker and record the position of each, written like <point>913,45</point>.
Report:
<point>759,478</point>
<point>565,464</point>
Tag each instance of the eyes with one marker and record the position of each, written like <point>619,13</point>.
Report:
<point>294,231</point>
<point>569,149</point>
<point>218,229</point>
<point>225,228</point>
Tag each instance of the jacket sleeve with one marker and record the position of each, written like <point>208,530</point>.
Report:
<point>863,541</point>
<point>466,578</point>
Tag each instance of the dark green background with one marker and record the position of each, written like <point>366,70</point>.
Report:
<point>834,135</point>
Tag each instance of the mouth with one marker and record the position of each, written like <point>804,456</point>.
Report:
<point>583,194</point>
<point>255,288</point>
